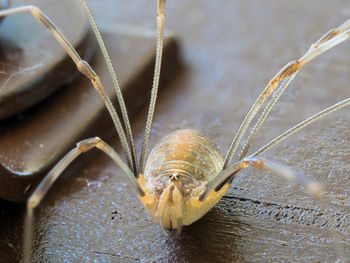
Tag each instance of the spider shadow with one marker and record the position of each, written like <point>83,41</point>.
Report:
<point>214,238</point>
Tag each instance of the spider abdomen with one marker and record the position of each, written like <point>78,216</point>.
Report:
<point>176,173</point>
<point>185,152</point>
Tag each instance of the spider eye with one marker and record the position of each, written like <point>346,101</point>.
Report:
<point>174,177</point>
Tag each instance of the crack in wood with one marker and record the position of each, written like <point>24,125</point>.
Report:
<point>116,255</point>
<point>316,217</point>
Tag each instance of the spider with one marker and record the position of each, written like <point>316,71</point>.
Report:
<point>185,174</point>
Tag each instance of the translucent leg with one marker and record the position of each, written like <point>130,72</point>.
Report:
<point>226,175</point>
<point>160,40</point>
<point>82,66</point>
<point>115,84</point>
<point>39,193</point>
<point>328,41</point>
<point>302,125</point>
<point>312,187</point>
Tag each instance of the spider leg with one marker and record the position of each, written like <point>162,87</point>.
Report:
<point>227,175</point>
<point>302,125</point>
<point>82,66</point>
<point>310,186</point>
<point>115,84</point>
<point>150,114</point>
<point>328,41</point>
<point>332,33</point>
<point>276,95</point>
<point>39,193</point>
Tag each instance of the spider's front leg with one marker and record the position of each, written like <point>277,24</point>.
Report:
<point>85,68</point>
<point>39,193</point>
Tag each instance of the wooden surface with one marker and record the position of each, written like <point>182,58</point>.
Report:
<point>27,61</point>
<point>231,49</point>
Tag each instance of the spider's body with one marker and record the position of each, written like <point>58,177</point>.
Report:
<point>177,171</point>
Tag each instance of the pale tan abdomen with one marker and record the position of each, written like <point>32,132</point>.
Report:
<point>186,151</point>
<point>196,159</point>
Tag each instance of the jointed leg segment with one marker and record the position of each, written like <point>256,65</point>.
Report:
<point>264,114</point>
<point>312,187</point>
<point>82,147</point>
<point>115,84</point>
<point>39,193</point>
<point>82,66</point>
<point>160,40</point>
<point>331,34</point>
<point>302,125</point>
<point>226,175</point>
<point>331,39</point>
